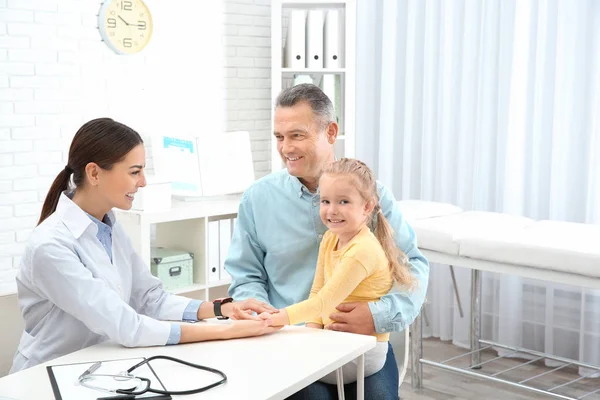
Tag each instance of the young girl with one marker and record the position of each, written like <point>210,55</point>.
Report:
<point>354,263</point>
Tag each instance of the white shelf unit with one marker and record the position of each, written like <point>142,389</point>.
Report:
<point>184,226</point>
<point>282,77</point>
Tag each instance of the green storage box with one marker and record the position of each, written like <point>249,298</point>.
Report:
<point>175,268</point>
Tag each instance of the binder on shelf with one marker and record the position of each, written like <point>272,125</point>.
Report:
<point>213,261</point>
<point>224,243</point>
<point>332,40</point>
<point>295,43</point>
<point>314,39</point>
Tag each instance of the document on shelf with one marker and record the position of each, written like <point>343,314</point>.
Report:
<point>295,43</point>
<point>314,39</point>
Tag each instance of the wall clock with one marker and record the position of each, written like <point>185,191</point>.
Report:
<point>125,25</point>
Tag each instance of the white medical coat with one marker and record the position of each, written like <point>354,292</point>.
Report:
<point>72,296</point>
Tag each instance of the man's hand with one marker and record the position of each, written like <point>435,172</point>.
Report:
<point>353,317</point>
<point>241,310</point>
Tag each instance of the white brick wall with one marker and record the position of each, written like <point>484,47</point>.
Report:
<point>247,41</point>
<point>55,74</point>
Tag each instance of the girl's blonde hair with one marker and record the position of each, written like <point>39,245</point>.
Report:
<point>366,185</point>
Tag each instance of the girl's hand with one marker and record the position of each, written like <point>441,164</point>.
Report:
<point>280,318</point>
<point>249,328</point>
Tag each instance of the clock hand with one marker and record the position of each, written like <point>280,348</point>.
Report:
<point>123,20</point>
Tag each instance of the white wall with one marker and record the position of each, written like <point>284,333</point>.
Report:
<point>247,43</point>
<point>205,70</point>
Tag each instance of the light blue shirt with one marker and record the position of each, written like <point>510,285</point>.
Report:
<point>190,313</point>
<point>104,234</point>
<point>275,245</point>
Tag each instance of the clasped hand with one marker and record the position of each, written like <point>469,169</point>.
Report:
<point>349,317</point>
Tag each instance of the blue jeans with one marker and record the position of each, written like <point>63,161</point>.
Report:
<point>380,386</point>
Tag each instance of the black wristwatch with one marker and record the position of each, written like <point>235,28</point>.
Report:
<point>217,306</point>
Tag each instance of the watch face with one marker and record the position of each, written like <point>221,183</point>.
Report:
<point>224,300</point>
<point>126,25</point>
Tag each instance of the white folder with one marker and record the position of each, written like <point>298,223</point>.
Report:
<point>224,243</point>
<point>332,38</point>
<point>295,42</point>
<point>314,39</point>
<point>214,264</point>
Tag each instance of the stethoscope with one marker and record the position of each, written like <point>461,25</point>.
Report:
<point>127,375</point>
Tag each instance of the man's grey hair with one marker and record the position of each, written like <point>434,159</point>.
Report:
<point>320,104</point>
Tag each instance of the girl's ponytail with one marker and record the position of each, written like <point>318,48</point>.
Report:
<point>399,264</point>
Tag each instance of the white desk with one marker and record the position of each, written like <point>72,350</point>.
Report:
<point>267,367</point>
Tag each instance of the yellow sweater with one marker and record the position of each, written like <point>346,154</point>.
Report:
<point>358,272</point>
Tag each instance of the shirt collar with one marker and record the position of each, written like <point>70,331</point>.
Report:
<point>299,186</point>
<point>74,218</point>
<point>105,224</point>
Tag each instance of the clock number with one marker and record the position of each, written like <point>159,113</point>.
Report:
<point>142,25</point>
<point>126,5</point>
<point>112,23</point>
<point>127,42</point>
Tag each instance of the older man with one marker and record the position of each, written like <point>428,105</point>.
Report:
<point>273,254</point>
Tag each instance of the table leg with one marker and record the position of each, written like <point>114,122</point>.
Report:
<point>475,317</point>
<point>340,383</point>
<point>416,352</point>
<point>460,309</point>
<point>360,378</point>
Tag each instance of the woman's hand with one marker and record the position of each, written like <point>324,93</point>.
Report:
<point>231,330</point>
<point>241,329</point>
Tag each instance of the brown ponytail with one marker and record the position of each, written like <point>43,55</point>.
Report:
<point>367,187</point>
<point>399,264</point>
<point>102,141</point>
<point>60,184</point>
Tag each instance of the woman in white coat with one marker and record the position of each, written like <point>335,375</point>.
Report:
<point>81,282</point>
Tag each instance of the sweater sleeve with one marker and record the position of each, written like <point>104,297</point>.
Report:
<point>346,277</point>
